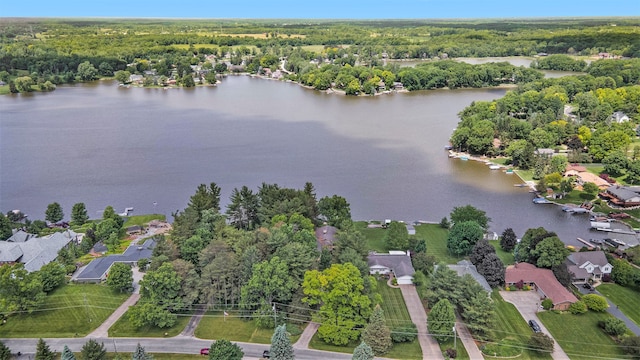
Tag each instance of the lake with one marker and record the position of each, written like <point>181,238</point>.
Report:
<point>149,148</point>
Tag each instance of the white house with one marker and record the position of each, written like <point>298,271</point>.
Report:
<point>587,265</point>
<point>619,117</point>
<point>397,263</point>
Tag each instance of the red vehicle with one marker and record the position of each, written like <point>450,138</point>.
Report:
<point>204,351</point>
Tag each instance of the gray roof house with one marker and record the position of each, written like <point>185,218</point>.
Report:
<point>587,265</point>
<point>396,262</point>
<point>623,195</point>
<point>98,270</point>
<point>619,117</point>
<point>35,252</point>
<point>464,267</point>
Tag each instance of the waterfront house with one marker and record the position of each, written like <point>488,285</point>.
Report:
<point>587,265</point>
<point>35,252</point>
<point>542,281</point>
<point>397,263</point>
<point>625,196</point>
<point>583,177</point>
<point>135,229</point>
<point>465,267</point>
<point>326,236</point>
<point>98,269</point>
<point>136,79</point>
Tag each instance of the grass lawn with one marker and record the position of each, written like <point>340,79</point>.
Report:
<point>436,238</point>
<point>506,257</point>
<point>123,328</point>
<point>449,344</point>
<point>72,309</point>
<point>318,344</point>
<point>579,335</point>
<point>396,315</point>
<point>374,236</point>
<point>525,175</point>
<point>156,356</point>
<point>143,219</point>
<point>510,325</point>
<point>627,299</point>
<point>214,325</point>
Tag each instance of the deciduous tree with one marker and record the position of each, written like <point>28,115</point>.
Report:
<point>86,71</point>
<point>52,276</point>
<point>595,302</point>
<point>550,252</point>
<point>463,236</point>
<point>79,214</point>
<point>225,350</point>
<point>508,240</point>
<point>541,343</point>
<point>270,281</point>
<point>335,210</point>
<point>470,213</point>
<point>441,320</point>
<point>120,277</point>
<point>396,237</point>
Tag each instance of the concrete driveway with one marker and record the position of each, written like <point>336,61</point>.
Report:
<point>528,303</point>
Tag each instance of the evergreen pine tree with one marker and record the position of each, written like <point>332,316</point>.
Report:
<point>441,320</point>
<point>67,354</point>
<point>140,354</point>
<point>91,350</point>
<point>377,334</point>
<point>363,352</point>
<point>43,352</point>
<point>225,350</point>
<point>281,348</point>
<point>5,352</point>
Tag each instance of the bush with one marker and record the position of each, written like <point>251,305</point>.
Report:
<point>631,345</point>
<point>540,342</point>
<point>595,302</point>
<point>526,288</point>
<point>512,288</point>
<point>451,353</point>
<point>614,326</point>
<point>578,307</point>
<point>444,223</point>
<point>405,333</point>
<point>547,304</point>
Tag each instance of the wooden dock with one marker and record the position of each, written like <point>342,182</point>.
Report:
<point>588,244</point>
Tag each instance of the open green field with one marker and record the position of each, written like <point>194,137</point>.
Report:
<point>510,325</point>
<point>143,219</point>
<point>374,236</point>
<point>627,299</point>
<point>214,325</point>
<point>579,335</point>
<point>123,328</point>
<point>506,257</point>
<point>72,310</point>
<point>436,238</point>
<point>397,315</point>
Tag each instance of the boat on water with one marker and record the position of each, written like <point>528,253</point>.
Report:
<point>541,200</point>
<point>448,147</point>
<point>494,167</point>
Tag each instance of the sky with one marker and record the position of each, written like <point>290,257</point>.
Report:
<point>320,9</point>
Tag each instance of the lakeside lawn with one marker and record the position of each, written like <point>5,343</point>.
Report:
<point>373,236</point>
<point>626,298</point>
<point>579,335</point>
<point>436,238</point>
<point>71,310</point>
<point>123,328</point>
<point>214,325</point>
<point>511,326</point>
<point>506,257</point>
<point>143,219</point>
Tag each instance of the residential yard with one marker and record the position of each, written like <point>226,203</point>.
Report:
<point>506,257</point>
<point>579,335</point>
<point>123,328</point>
<point>436,238</point>
<point>374,236</point>
<point>627,299</point>
<point>214,325</point>
<point>449,344</point>
<point>72,310</point>
<point>511,327</point>
<point>397,315</point>
<point>143,219</point>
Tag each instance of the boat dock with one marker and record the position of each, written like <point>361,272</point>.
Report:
<point>587,244</point>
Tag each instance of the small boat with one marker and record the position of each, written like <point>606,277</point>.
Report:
<point>494,167</point>
<point>541,200</point>
<point>463,158</point>
<point>509,171</point>
<point>448,147</point>
<point>520,185</point>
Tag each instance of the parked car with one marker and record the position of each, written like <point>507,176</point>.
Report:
<point>204,351</point>
<point>534,326</point>
<point>587,286</point>
<point>266,354</point>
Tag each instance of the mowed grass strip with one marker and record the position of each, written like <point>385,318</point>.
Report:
<point>627,299</point>
<point>124,328</point>
<point>214,325</point>
<point>509,324</point>
<point>373,236</point>
<point>506,257</point>
<point>579,335</point>
<point>397,315</point>
<point>143,219</point>
<point>71,310</point>
<point>436,238</point>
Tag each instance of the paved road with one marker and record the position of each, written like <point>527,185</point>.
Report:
<point>613,310</point>
<point>527,303</point>
<point>103,330</point>
<point>430,348</point>
<point>467,341</point>
<point>178,345</point>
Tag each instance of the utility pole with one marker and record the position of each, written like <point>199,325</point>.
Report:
<point>455,345</point>
<point>275,321</point>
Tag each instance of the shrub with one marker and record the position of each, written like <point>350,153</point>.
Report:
<point>520,285</point>
<point>512,288</point>
<point>595,302</point>
<point>540,342</point>
<point>578,307</point>
<point>526,288</point>
<point>614,326</point>
<point>406,333</point>
<point>451,353</point>
<point>547,304</point>
<point>631,345</point>
<point>444,223</point>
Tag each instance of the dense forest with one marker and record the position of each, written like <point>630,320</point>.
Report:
<point>37,54</point>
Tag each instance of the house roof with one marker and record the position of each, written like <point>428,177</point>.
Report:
<point>399,264</point>
<point>9,252</point>
<point>578,272</point>
<point>544,280</point>
<point>576,167</point>
<point>594,257</point>
<point>586,176</point>
<point>466,267</point>
<point>35,252</point>
<point>622,192</point>
<point>20,236</point>
<point>99,267</point>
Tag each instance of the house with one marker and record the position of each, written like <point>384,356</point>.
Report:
<point>465,267</point>
<point>543,281</point>
<point>136,79</point>
<point>98,270</point>
<point>588,265</point>
<point>397,263</point>
<point>35,252</point>
<point>398,85</point>
<point>618,117</point>
<point>545,151</point>
<point>325,236</point>
<point>625,196</point>
<point>583,177</point>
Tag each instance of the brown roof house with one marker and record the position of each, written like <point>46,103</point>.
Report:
<point>543,281</point>
<point>587,265</point>
<point>396,262</point>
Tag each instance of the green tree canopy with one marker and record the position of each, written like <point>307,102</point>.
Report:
<point>377,333</point>
<point>281,348</point>
<point>43,352</point>
<point>225,350</point>
<point>470,213</point>
<point>120,277</point>
<point>79,214</point>
<point>54,213</point>
<point>396,237</point>
<point>334,210</point>
<point>441,320</point>
<point>91,350</point>
<point>463,236</point>
<point>363,352</point>
<point>508,240</point>
<point>140,354</point>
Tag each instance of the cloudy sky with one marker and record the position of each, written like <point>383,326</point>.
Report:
<point>327,9</point>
